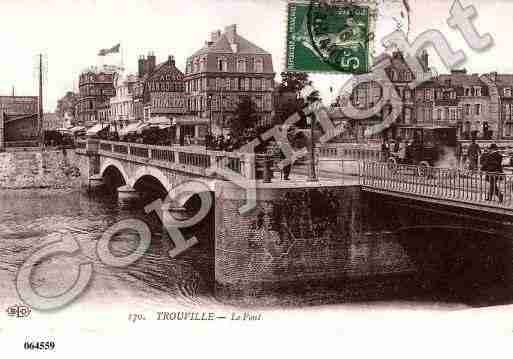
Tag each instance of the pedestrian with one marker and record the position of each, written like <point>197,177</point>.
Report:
<point>473,154</point>
<point>494,173</point>
<point>401,152</point>
<point>385,150</point>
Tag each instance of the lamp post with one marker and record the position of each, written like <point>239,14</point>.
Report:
<point>312,175</point>
<point>209,105</point>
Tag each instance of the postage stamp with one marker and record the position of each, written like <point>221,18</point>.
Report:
<point>331,36</point>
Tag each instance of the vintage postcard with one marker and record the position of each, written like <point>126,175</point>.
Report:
<point>256,178</point>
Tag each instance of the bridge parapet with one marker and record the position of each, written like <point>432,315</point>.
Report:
<point>192,159</point>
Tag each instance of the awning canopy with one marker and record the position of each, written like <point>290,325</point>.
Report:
<point>155,121</point>
<point>77,129</point>
<point>190,120</point>
<point>130,128</point>
<point>97,128</point>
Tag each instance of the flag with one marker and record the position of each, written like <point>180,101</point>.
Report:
<point>112,50</point>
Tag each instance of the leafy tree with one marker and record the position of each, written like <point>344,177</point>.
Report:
<point>245,117</point>
<point>294,81</point>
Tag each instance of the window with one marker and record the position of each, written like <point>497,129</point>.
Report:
<point>440,114</point>
<point>247,85</point>
<point>467,91</point>
<point>507,92</point>
<point>478,109</point>
<point>222,64</point>
<point>467,109</point>
<point>407,115</point>
<point>259,65</point>
<point>203,64</point>
<point>478,91</point>
<point>429,95</point>
<point>454,114</point>
<point>196,65</point>
<point>241,65</point>
<point>393,75</point>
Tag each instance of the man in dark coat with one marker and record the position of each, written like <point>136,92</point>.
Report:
<point>473,153</point>
<point>493,166</point>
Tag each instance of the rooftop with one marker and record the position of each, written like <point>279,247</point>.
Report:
<point>230,42</point>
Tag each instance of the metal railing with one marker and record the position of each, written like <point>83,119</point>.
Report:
<point>443,183</point>
<point>357,152</point>
<point>80,144</point>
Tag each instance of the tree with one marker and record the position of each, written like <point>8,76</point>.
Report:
<point>293,81</point>
<point>245,117</point>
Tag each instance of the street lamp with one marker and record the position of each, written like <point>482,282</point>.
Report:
<point>209,105</point>
<point>311,96</point>
<point>312,175</point>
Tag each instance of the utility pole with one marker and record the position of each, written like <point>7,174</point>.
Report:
<point>41,113</point>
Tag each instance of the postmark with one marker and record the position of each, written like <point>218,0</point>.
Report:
<point>330,36</point>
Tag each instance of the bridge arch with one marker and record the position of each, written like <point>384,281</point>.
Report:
<point>110,162</point>
<point>152,172</point>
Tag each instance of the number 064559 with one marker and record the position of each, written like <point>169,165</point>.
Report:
<point>39,345</point>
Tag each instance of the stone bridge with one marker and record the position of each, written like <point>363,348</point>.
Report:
<point>383,223</point>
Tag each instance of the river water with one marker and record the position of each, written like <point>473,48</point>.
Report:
<point>31,218</point>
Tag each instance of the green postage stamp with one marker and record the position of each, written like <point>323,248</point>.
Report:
<point>330,36</point>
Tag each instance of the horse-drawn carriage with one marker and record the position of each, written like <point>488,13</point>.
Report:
<point>425,147</point>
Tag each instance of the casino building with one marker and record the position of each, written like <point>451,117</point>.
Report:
<point>226,68</point>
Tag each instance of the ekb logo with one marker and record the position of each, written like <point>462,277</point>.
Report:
<point>18,311</point>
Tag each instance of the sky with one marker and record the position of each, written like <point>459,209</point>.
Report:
<point>70,34</point>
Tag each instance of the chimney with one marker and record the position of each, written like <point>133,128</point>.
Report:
<point>141,67</point>
<point>424,59</point>
<point>231,32</point>
<point>215,36</point>
<point>171,60</point>
<point>151,62</point>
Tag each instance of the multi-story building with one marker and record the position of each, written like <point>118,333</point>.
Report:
<point>160,90</point>
<point>122,104</point>
<point>459,100</point>
<point>225,69</point>
<point>96,87</point>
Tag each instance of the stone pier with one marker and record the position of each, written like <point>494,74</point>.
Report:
<point>299,233</point>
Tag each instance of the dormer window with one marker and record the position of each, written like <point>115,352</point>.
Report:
<point>196,65</point>
<point>467,91</point>
<point>203,64</point>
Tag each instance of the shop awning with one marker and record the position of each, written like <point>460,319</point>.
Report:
<point>190,120</point>
<point>130,128</point>
<point>156,121</point>
<point>97,128</point>
<point>77,129</point>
